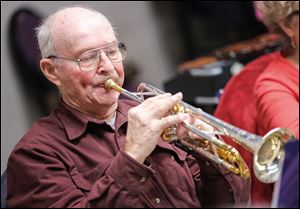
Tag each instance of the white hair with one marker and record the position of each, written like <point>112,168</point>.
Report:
<point>44,35</point>
<point>274,11</point>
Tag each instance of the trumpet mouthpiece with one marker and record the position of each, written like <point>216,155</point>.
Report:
<point>109,83</point>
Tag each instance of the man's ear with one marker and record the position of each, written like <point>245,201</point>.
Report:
<point>48,68</point>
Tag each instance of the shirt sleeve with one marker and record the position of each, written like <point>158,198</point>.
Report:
<point>276,104</point>
<point>217,186</point>
<point>45,182</point>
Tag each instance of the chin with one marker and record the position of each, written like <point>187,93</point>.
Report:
<point>109,98</point>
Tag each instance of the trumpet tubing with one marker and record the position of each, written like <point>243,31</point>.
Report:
<point>268,151</point>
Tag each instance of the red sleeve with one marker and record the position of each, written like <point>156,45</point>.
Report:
<point>277,102</point>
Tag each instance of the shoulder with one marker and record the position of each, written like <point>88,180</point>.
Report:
<point>279,70</point>
<point>278,66</point>
<point>43,133</point>
<point>261,62</point>
<point>247,77</point>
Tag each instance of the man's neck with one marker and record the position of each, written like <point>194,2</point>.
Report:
<point>97,113</point>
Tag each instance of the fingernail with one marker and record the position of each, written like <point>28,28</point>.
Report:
<point>178,95</point>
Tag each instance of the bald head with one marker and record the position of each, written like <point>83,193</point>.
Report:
<point>62,30</point>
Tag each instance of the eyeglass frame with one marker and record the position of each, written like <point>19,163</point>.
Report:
<point>101,49</point>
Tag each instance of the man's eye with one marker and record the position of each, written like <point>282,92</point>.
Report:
<point>112,52</point>
<point>89,57</point>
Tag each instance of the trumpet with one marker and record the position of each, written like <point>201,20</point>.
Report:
<point>268,151</point>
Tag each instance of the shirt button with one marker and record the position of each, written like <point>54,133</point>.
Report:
<point>157,200</point>
<point>143,179</point>
<point>207,163</point>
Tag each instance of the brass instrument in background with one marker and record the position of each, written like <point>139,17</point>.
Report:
<point>268,151</point>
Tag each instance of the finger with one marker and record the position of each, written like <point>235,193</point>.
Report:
<point>182,131</point>
<point>204,128</point>
<point>203,125</point>
<point>147,106</point>
<point>152,102</point>
<point>172,120</point>
<point>162,106</point>
<point>157,97</point>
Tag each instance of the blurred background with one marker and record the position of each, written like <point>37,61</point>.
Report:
<point>188,46</point>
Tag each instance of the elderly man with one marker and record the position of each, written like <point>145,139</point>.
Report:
<point>95,150</point>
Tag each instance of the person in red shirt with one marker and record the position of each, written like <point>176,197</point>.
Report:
<point>96,150</point>
<point>277,96</point>
<point>277,88</point>
<point>265,94</point>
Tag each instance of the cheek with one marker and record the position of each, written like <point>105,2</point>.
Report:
<point>120,71</point>
<point>84,79</point>
<point>78,81</point>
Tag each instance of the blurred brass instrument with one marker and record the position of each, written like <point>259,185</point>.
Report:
<point>268,151</point>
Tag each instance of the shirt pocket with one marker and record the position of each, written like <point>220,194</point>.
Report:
<point>81,182</point>
<point>85,180</point>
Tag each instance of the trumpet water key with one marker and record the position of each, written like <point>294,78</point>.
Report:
<point>268,151</point>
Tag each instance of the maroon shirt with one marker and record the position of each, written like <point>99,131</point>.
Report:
<point>67,160</point>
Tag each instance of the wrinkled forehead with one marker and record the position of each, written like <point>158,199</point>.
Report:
<point>73,24</point>
<point>71,16</point>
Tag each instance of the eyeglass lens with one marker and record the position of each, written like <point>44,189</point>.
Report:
<point>91,59</point>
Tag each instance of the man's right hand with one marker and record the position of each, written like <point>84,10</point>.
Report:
<point>146,122</point>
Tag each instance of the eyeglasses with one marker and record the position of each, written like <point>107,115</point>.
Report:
<point>90,60</point>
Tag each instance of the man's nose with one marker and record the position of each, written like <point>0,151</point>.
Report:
<point>105,63</point>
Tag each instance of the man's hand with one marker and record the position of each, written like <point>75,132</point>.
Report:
<point>182,132</point>
<point>146,122</point>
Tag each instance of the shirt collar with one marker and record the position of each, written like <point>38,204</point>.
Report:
<point>75,122</point>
